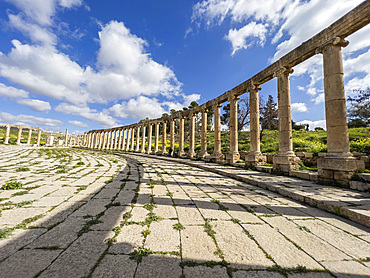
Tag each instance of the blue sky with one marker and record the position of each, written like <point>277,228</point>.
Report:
<point>84,65</point>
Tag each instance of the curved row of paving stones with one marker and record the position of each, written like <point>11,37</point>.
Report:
<point>164,219</point>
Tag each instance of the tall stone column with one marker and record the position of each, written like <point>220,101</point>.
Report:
<point>7,134</point>
<point>172,136</point>
<point>137,138</point>
<point>97,137</point>
<point>143,140</point>
<point>132,138</point>
<point>66,138</point>
<point>119,143</point>
<point>124,139</point>
<point>338,163</point>
<point>150,131</point>
<point>285,160</point>
<point>100,140</point>
<point>156,137</point>
<point>104,140</point>
<point>108,140</point>
<point>203,141</point>
<point>181,137</point>
<point>254,157</point>
<point>29,136</point>
<point>191,152</point>
<point>19,136</point>
<point>164,138</point>
<point>217,153</point>
<point>233,155</point>
<point>38,137</point>
<point>84,139</point>
<point>128,139</point>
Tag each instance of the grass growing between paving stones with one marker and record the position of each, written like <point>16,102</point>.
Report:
<point>178,226</point>
<point>5,233</point>
<point>22,169</point>
<point>12,185</point>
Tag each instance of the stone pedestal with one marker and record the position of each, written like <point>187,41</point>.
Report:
<point>340,169</point>
<point>232,157</point>
<point>285,162</point>
<point>255,159</point>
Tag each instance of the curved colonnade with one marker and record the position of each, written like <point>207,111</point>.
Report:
<point>20,130</point>
<point>337,164</point>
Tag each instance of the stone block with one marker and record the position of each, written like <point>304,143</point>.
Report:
<point>308,155</point>
<point>232,157</point>
<point>300,154</point>
<point>300,174</point>
<point>360,186</point>
<point>364,177</point>
<point>365,159</point>
<point>340,163</point>
<point>314,176</point>
<point>343,175</point>
<point>255,159</point>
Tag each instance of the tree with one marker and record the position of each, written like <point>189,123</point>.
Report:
<point>269,115</point>
<point>299,127</point>
<point>360,106</point>
<point>243,113</point>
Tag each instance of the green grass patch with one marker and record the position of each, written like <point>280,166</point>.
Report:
<point>12,184</point>
<point>5,233</point>
<point>22,169</point>
<point>178,226</point>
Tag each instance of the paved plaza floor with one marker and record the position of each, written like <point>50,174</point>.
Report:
<point>89,214</point>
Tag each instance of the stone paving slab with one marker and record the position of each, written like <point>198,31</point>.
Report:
<point>359,215</point>
<point>114,266</point>
<point>258,233</point>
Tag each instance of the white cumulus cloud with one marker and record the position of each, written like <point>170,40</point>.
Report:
<point>35,104</point>
<point>299,107</point>
<point>29,120</point>
<point>79,124</point>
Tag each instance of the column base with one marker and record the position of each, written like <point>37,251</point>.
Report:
<point>147,152</point>
<point>339,169</point>
<point>255,159</point>
<point>216,157</point>
<point>203,155</point>
<point>285,163</point>
<point>232,157</point>
<point>181,153</point>
<point>191,154</point>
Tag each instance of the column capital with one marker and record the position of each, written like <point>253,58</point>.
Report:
<point>336,41</point>
<point>283,71</point>
<point>218,105</point>
<point>255,88</point>
<point>232,97</point>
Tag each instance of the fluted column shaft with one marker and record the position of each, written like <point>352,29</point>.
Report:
<point>164,138</point>
<point>191,152</point>
<point>156,137</point>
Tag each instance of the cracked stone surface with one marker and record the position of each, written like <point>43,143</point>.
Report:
<point>149,217</point>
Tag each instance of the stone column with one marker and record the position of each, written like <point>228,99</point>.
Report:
<point>156,137</point>
<point>19,136</point>
<point>108,140</point>
<point>38,137</point>
<point>191,152</point>
<point>217,153</point>
<point>29,137</point>
<point>132,138</point>
<point>203,141</point>
<point>164,138</point>
<point>338,163</point>
<point>254,157</point>
<point>97,137</point>
<point>128,139</point>
<point>7,133</point>
<point>84,139</point>
<point>104,140</point>
<point>137,138</point>
<point>181,138</point>
<point>143,141</point>
<point>285,160</point>
<point>111,143</point>
<point>123,147</point>
<point>172,136</point>
<point>150,131</point>
<point>119,142</point>
<point>233,155</point>
<point>66,138</point>
<point>100,140</point>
